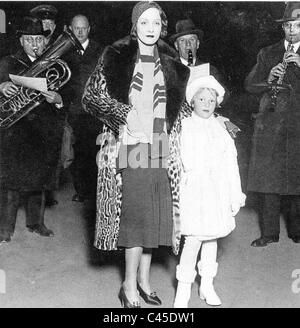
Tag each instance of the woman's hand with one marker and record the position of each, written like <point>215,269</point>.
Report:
<point>52,97</point>
<point>133,122</point>
<point>8,89</point>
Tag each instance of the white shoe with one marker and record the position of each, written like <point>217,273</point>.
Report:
<point>208,293</point>
<point>183,294</point>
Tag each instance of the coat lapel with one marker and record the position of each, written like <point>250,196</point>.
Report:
<point>119,61</point>
<point>90,49</point>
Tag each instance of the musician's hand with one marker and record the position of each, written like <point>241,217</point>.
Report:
<point>292,57</point>
<point>276,72</point>
<point>8,89</point>
<point>52,97</point>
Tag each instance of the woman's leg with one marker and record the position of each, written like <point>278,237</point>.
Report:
<point>207,267</point>
<point>144,270</point>
<point>132,262</point>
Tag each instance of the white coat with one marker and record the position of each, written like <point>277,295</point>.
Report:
<point>211,179</point>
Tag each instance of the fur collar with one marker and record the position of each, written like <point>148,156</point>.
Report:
<point>118,64</point>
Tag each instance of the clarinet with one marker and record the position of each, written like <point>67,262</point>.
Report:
<point>274,88</point>
<point>190,58</point>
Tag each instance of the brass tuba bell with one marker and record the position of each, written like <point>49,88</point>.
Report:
<point>48,65</point>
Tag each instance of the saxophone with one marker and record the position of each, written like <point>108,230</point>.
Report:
<point>49,66</point>
<point>275,87</point>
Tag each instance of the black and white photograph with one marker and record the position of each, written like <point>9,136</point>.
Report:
<point>149,157</point>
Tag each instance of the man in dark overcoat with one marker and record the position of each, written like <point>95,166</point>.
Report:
<point>30,148</point>
<point>85,127</point>
<point>274,169</point>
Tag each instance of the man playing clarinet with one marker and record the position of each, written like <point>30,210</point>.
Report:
<point>274,170</point>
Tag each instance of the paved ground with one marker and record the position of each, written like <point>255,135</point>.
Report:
<point>66,271</point>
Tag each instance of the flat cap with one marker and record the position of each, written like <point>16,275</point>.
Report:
<point>44,12</point>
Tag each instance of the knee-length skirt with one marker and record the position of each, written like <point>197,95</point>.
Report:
<point>146,213</point>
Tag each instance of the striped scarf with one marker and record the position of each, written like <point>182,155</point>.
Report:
<point>147,94</point>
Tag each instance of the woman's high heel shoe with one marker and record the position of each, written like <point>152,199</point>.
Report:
<point>152,299</point>
<point>125,302</point>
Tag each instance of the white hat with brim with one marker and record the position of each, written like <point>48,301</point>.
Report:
<point>204,82</point>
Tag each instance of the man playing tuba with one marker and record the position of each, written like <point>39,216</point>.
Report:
<point>29,149</point>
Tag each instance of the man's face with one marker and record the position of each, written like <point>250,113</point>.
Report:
<point>81,28</point>
<point>48,24</point>
<point>33,45</point>
<point>185,43</point>
<point>292,31</point>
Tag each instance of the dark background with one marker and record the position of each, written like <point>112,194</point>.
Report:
<point>234,32</point>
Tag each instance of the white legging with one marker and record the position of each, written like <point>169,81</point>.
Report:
<point>186,269</point>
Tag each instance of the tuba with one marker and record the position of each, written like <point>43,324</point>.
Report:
<point>49,66</point>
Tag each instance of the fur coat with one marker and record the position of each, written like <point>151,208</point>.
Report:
<point>106,97</point>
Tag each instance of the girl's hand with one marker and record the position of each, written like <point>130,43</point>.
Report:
<point>235,207</point>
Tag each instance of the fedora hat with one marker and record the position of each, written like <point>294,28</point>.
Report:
<point>184,27</point>
<point>44,12</point>
<point>291,12</point>
<point>32,26</point>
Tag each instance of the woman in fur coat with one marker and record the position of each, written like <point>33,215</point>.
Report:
<point>138,91</point>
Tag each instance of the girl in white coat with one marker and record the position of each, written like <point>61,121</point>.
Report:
<point>210,189</point>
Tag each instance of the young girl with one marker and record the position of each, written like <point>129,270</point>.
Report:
<point>210,189</point>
